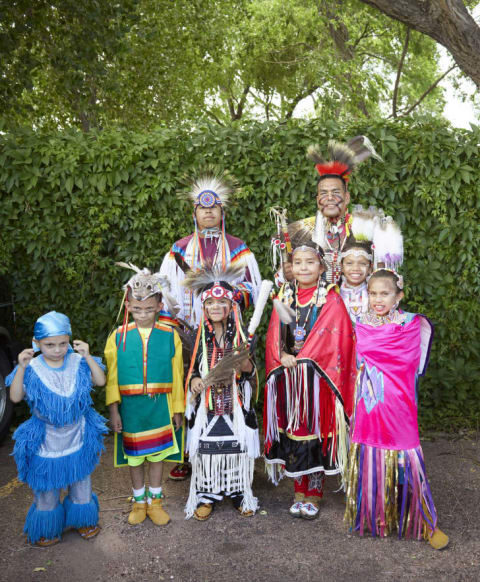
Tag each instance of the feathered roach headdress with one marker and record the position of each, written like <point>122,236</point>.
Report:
<point>342,158</point>
<point>302,234</point>
<point>210,188</point>
<point>215,282</point>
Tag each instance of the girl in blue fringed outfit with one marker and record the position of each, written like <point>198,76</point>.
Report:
<point>60,445</point>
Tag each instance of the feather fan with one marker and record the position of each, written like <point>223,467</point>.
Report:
<point>222,373</point>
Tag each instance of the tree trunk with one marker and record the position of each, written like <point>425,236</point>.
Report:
<point>446,21</point>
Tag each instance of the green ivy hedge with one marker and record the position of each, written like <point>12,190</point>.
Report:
<point>74,203</point>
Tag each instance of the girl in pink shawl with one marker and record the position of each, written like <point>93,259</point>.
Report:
<point>387,486</point>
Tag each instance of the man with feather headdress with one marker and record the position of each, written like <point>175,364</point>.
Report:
<point>333,225</point>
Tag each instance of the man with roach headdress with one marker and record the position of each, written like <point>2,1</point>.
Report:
<point>333,225</point>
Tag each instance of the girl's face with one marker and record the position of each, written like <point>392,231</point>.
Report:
<point>382,295</point>
<point>307,268</point>
<point>355,269</point>
<point>217,309</point>
<point>54,348</point>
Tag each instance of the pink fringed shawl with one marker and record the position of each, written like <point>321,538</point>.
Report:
<point>391,357</point>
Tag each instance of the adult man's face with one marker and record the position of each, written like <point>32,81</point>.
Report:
<point>332,198</point>
<point>208,217</point>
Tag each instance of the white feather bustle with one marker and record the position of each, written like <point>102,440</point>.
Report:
<point>387,243</point>
<point>363,222</point>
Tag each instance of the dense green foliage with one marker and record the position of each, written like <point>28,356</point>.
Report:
<point>73,203</point>
<point>138,63</point>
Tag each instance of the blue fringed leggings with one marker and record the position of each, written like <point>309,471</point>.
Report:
<point>79,492</point>
<point>47,517</point>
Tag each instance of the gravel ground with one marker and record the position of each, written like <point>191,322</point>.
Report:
<point>269,546</point>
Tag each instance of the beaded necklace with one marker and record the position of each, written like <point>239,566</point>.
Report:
<point>393,316</point>
<point>317,299</point>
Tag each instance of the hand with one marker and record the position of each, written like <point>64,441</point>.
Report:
<point>81,348</point>
<point>115,421</point>
<point>288,361</point>
<point>196,386</point>
<point>25,357</point>
<point>288,271</point>
<point>178,420</point>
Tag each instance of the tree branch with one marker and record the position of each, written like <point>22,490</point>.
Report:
<point>214,117</point>
<point>446,21</point>
<point>399,73</point>
<point>241,103</point>
<point>298,98</point>
<point>425,93</point>
<point>364,34</point>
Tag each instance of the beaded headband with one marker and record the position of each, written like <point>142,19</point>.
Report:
<point>304,248</point>
<point>357,253</point>
<point>217,292</point>
<point>208,199</point>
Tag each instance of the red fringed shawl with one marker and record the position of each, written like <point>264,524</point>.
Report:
<point>330,351</point>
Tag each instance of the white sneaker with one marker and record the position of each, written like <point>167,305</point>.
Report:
<point>296,509</point>
<point>309,511</point>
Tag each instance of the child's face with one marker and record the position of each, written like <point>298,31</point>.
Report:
<point>217,309</point>
<point>54,348</point>
<point>382,295</point>
<point>355,269</point>
<point>144,312</point>
<point>307,268</point>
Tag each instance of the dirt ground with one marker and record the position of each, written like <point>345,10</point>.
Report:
<point>269,546</point>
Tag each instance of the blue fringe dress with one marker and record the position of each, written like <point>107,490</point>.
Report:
<point>59,446</point>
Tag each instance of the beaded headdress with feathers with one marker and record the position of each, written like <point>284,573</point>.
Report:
<point>203,279</point>
<point>210,188</point>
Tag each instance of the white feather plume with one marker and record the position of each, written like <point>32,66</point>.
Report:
<point>318,236</point>
<point>363,223</point>
<point>285,313</point>
<point>363,149</point>
<point>388,243</point>
<point>262,299</point>
<point>131,266</point>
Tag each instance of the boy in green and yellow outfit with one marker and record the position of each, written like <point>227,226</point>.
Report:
<point>144,390</point>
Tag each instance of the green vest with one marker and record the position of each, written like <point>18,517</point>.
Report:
<point>146,371</point>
